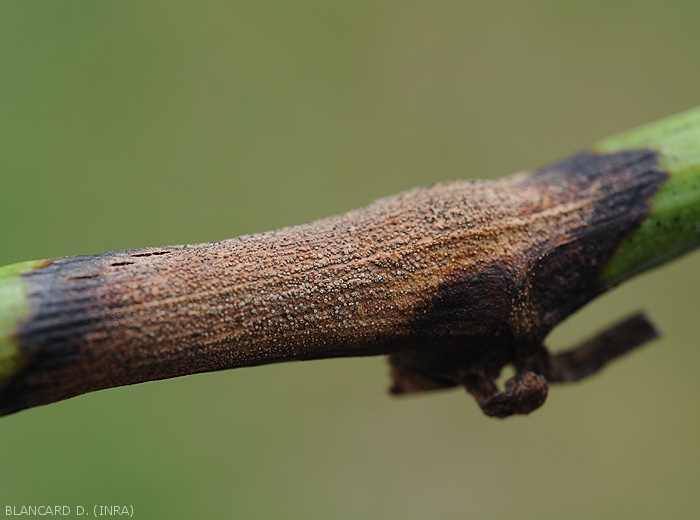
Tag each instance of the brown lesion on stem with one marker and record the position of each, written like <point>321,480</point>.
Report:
<point>454,281</point>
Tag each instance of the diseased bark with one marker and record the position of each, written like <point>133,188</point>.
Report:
<point>454,281</point>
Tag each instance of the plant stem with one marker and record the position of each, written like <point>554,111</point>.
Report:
<point>454,281</point>
<point>673,227</point>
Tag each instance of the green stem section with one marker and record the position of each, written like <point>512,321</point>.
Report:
<point>673,227</point>
<point>14,309</point>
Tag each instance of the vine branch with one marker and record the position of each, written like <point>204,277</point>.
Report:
<point>454,282</point>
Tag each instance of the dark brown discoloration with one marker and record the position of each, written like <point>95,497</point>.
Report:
<point>456,280</point>
<point>623,184</point>
<point>420,371</point>
<point>592,355</point>
<point>522,394</point>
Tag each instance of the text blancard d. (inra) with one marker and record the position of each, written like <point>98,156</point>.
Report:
<point>65,510</point>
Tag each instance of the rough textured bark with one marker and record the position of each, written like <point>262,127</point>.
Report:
<point>454,281</point>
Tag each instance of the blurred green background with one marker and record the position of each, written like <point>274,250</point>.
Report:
<point>128,124</point>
